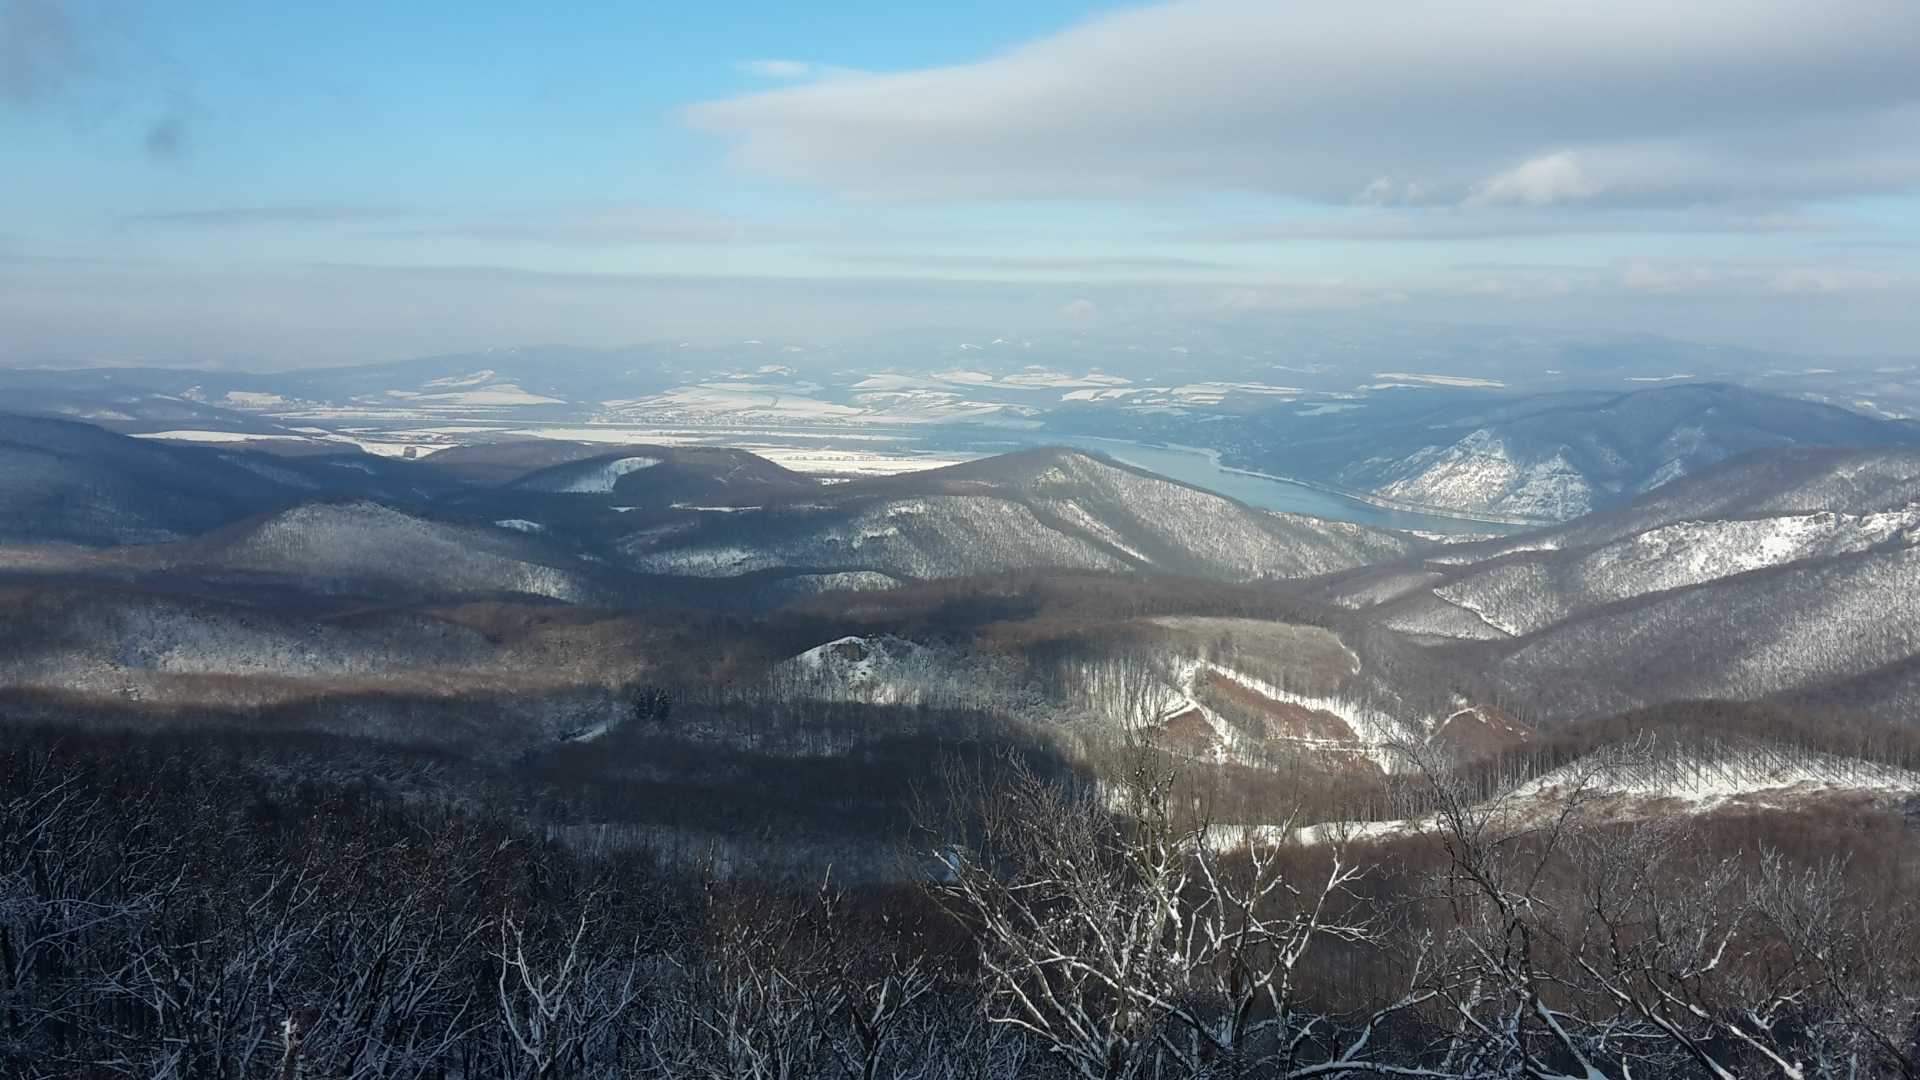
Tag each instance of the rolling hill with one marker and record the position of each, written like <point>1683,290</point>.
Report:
<point>1555,456</point>
<point>367,548</point>
<point>62,481</point>
<point>1785,571</point>
<point>1046,509</point>
<point>1768,575</point>
<point>573,521</point>
<point>655,476</point>
<point>68,482</point>
<point>1539,458</point>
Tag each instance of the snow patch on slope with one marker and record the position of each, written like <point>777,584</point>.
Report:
<point>1705,780</point>
<point>1376,733</point>
<point>1480,473</point>
<point>1630,783</point>
<point>1524,595</point>
<point>601,479</point>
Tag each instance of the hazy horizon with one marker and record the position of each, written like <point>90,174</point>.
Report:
<point>218,185</point>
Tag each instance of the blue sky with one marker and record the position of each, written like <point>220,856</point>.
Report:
<point>277,184</point>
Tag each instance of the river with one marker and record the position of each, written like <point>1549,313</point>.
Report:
<point>1203,470</point>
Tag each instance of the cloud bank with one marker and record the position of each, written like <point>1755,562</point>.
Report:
<point>1480,102</point>
<point>69,313</point>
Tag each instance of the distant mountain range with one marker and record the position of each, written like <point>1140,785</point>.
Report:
<point>1788,570</point>
<point>1481,440</point>
<point>1531,459</point>
<point>68,482</point>
<point>1047,509</point>
<point>507,599</point>
<point>575,521</point>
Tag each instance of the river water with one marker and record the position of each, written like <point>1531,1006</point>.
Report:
<point>1203,470</point>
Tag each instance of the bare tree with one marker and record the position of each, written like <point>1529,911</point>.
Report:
<point>1589,948</point>
<point>559,1000</point>
<point>1509,999</point>
<point>1128,946</point>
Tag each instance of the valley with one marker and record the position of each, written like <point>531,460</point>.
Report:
<point>1112,540</point>
<point>679,665</point>
<point>1487,443</point>
<point>1054,590</point>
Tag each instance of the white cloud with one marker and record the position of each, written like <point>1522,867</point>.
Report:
<point>1387,101</point>
<point>1483,221</point>
<point>1554,178</point>
<point>69,313</point>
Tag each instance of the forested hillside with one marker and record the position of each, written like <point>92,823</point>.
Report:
<point>571,762</point>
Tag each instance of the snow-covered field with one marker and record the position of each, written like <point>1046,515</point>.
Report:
<point>1406,378</point>
<point>836,453</point>
<point>188,435</point>
<point>821,461</point>
<point>494,395</point>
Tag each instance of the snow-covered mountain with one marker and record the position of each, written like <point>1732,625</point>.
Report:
<point>1773,574</point>
<point>1788,571</point>
<point>1556,457</point>
<point>1534,458</point>
<point>1045,509</point>
<point>369,548</point>
<point>681,616</point>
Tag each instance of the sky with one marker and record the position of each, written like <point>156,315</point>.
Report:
<point>219,183</point>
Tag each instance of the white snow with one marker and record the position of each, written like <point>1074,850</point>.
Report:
<point>1043,379</point>
<point>602,432</point>
<point>1107,394</point>
<point>601,479</point>
<point>1691,552</point>
<point>215,436</point>
<point>1628,783</point>
<point>1402,377</point>
<point>521,525</point>
<point>496,394</point>
<point>1480,473</point>
<point>1375,731</point>
<point>883,670</point>
<point>383,448</point>
<point>1078,514</point>
<point>738,402</point>
<point>1214,392</point>
<point>821,460</point>
<point>1704,780</point>
<point>474,379</point>
<point>1230,837</point>
<point>1521,596</point>
<point>249,399</point>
